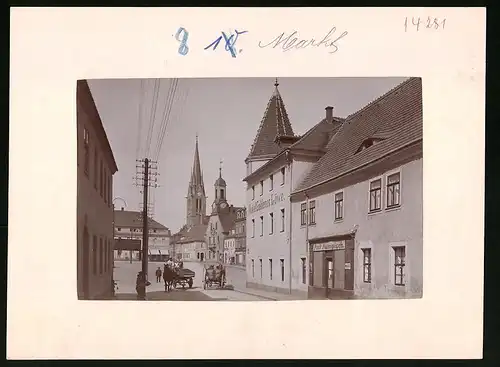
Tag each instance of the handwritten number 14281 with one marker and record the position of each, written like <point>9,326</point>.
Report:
<point>419,23</point>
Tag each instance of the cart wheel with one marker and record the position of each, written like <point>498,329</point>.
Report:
<point>183,285</point>
<point>175,285</point>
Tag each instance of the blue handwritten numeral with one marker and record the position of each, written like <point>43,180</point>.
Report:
<point>182,36</point>
<point>230,42</point>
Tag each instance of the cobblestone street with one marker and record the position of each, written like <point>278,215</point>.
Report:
<point>125,274</point>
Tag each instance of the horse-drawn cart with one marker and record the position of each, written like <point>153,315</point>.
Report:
<point>183,277</point>
<point>215,275</point>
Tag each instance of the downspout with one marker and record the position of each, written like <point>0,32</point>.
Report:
<point>290,165</point>
<point>308,257</point>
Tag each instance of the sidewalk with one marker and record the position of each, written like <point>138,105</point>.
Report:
<point>271,296</point>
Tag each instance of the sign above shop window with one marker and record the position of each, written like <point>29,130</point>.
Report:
<point>329,246</point>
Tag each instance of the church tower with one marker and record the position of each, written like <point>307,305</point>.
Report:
<point>196,199</point>
<point>220,202</point>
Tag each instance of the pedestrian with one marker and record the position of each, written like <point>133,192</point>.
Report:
<point>158,275</point>
<point>140,286</point>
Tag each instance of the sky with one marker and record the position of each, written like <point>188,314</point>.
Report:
<point>224,112</point>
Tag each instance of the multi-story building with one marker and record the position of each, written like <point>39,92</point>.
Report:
<point>221,221</point>
<point>235,242</point>
<point>96,166</point>
<point>277,163</point>
<point>357,226</point>
<point>129,236</point>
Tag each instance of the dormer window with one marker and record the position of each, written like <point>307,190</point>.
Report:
<point>368,143</point>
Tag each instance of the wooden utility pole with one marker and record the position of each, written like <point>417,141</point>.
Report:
<point>148,180</point>
<point>145,230</point>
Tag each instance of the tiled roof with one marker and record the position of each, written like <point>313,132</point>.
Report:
<point>314,140</point>
<point>318,136</point>
<point>395,117</point>
<point>191,234</point>
<point>274,123</point>
<point>133,219</point>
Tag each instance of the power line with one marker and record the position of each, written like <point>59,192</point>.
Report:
<point>166,116</point>
<point>154,103</point>
<point>177,115</point>
<point>139,126</point>
<point>165,109</point>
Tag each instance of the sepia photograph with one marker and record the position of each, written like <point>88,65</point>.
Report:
<point>250,189</point>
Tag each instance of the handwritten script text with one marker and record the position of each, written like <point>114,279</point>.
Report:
<point>230,42</point>
<point>293,41</point>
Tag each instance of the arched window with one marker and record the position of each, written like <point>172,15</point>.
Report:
<point>222,193</point>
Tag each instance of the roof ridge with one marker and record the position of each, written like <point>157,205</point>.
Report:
<point>379,99</point>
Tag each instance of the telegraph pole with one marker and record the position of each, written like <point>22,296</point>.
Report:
<point>146,178</point>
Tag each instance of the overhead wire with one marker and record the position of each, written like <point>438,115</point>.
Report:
<point>166,119</point>
<point>139,124</point>
<point>168,103</point>
<point>154,103</point>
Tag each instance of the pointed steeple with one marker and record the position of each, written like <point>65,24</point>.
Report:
<point>196,175</point>
<point>275,123</point>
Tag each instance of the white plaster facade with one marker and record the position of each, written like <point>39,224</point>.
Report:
<point>269,254</point>
<point>380,232</point>
<point>229,250</point>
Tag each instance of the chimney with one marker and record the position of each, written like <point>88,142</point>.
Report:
<point>329,113</point>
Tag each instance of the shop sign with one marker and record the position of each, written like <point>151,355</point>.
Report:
<point>329,246</point>
<point>263,204</point>
<point>347,266</point>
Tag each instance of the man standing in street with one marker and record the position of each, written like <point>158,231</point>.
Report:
<point>158,275</point>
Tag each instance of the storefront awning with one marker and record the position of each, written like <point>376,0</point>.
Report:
<point>154,251</point>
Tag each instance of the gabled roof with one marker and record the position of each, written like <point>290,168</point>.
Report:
<point>274,123</point>
<point>317,138</point>
<point>191,234</point>
<point>395,117</point>
<point>313,141</point>
<point>133,219</point>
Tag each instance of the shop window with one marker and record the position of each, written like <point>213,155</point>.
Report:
<point>282,220</point>
<point>375,195</point>
<point>271,183</point>
<point>282,267</point>
<point>303,214</point>
<point>86,151</point>
<point>399,265</point>
<point>393,190</point>
<point>271,223</point>
<point>367,265</point>
<point>270,269</point>
<point>101,179</point>
<point>94,255</point>
<point>303,268</point>
<point>283,176</point>
<point>312,212</point>
<point>261,226</point>
<point>339,205</point>
<point>96,168</point>
<point>101,255</point>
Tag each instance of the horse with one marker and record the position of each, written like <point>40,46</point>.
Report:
<point>168,277</point>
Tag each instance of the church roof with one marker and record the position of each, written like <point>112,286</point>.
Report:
<point>274,123</point>
<point>394,120</point>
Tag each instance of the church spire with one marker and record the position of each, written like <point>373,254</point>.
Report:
<point>196,175</point>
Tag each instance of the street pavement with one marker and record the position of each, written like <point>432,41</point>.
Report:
<point>125,275</point>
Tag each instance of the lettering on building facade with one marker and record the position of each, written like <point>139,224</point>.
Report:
<point>263,204</point>
<point>329,246</point>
